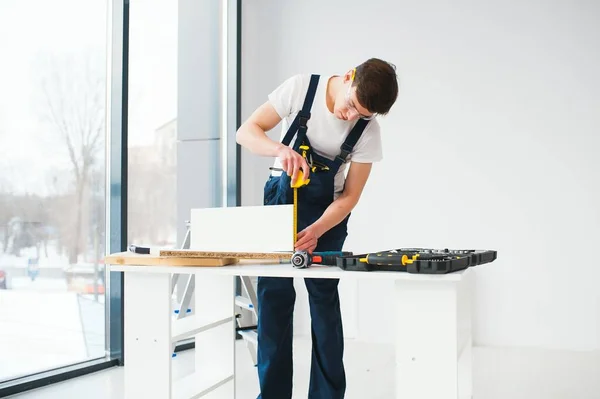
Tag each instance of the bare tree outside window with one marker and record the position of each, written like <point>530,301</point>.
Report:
<point>73,105</point>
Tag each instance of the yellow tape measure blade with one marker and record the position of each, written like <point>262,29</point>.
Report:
<point>300,181</point>
<point>295,217</point>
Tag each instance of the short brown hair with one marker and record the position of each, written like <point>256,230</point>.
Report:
<point>376,85</point>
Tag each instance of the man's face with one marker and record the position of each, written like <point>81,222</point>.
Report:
<point>347,106</point>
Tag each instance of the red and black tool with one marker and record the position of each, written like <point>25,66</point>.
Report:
<point>303,259</point>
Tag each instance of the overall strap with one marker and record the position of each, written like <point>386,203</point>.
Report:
<point>351,141</point>
<point>300,121</point>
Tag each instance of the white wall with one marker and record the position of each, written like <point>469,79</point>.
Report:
<point>492,144</point>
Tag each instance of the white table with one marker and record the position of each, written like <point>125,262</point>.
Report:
<point>432,333</point>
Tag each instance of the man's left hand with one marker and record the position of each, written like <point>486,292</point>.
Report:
<point>307,239</point>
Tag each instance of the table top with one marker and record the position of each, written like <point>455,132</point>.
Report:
<point>138,263</point>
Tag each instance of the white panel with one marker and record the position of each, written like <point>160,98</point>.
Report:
<point>248,228</point>
<point>426,340</point>
<point>215,351</point>
<point>147,312</point>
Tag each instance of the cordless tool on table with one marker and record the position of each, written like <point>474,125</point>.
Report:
<point>303,259</point>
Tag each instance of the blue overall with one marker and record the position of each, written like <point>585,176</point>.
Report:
<point>276,296</point>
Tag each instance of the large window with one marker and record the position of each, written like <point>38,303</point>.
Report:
<point>110,132</point>
<point>52,184</point>
<point>152,124</point>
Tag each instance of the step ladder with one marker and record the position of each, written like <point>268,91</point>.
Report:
<point>249,306</point>
<point>246,311</point>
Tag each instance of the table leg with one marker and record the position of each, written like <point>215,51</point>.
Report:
<point>465,336</point>
<point>147,335</point>
<point>215,346</point>
<point>433,339</point>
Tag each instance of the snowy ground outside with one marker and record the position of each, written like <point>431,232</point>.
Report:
<point>45,322</point>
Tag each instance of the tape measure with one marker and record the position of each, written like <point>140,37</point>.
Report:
<point>295,237</point>
<point>300,181</point>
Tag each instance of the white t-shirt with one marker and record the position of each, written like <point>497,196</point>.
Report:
<point>326,132</point>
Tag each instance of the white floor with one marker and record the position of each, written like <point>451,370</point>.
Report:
<point>498,374</point>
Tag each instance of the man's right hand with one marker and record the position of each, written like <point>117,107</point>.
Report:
<point>292,162</point>
<point>252,135</point>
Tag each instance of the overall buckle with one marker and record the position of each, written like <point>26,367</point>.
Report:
<point>344,152</point>
<point>303,119</point>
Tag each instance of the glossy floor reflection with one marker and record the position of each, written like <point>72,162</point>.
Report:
<point>499,374</point>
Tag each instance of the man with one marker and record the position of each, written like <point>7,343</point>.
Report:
<point>328,123</point>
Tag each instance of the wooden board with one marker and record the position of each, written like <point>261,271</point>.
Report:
<point>133,259</point>
<point>187,253</point>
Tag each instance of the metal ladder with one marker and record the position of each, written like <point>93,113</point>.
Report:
<point>248,304</point>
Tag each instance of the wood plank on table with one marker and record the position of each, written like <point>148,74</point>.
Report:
<point>190,253</point>
<point>133,259</point>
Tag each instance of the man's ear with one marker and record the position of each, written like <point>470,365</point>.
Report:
<point>348,76</point>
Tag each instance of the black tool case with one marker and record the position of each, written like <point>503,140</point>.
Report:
<point>423,260</point>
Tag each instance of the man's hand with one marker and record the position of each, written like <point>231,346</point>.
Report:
<point>292,162</point>
<point>358,174</point>
<point>307,239</point>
